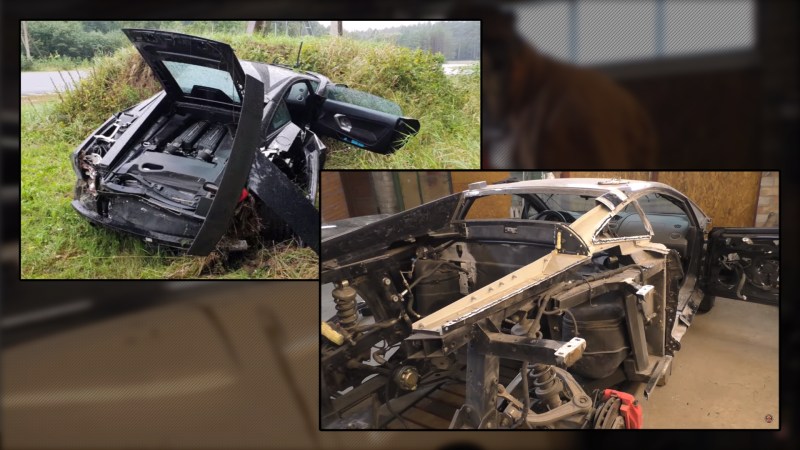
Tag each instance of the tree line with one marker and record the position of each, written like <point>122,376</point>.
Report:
<point>83,40</point>
<point>87,39</point>
<point>455,40</point>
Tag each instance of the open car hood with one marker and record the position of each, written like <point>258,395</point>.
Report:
<point>191,68</point>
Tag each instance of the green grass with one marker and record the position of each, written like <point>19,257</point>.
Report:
<point>448,107</point>
<point>57,243</point>
<point>449,136</point>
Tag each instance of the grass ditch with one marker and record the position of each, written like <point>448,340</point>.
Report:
<point>57,243</point>
<point>448,107</point>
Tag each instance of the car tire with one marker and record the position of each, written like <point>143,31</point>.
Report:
<point>707,304</point>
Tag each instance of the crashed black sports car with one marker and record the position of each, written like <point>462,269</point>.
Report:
<point>510,305</point>
<point>173,168</point>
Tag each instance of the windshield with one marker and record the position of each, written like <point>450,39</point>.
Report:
<point>530,206</point>
<point>190,75</point>
<point>576,204</point>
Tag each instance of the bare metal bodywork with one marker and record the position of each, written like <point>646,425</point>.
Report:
<point>465,300</point>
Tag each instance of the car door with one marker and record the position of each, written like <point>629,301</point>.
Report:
<point>743,263</point>
<point>363,120</point>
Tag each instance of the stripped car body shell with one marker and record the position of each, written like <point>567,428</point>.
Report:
<point>532,274</point>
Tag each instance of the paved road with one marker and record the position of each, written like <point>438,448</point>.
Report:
<point>32,83</point>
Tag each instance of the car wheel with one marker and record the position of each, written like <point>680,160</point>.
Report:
<point>707,304</point>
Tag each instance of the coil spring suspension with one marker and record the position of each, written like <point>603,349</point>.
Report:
<point>345,298</point>
<point>548,386</point>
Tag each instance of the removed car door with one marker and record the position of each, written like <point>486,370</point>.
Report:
<point>744,264</point>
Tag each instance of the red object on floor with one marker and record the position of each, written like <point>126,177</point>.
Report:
<point>630,410</point>
<point>243,196</point>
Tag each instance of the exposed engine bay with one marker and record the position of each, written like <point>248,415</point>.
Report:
<point>179,161</point>
<point>181,156</point>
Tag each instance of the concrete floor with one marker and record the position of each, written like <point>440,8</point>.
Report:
<point>724,376</point>
<point>726,373</point>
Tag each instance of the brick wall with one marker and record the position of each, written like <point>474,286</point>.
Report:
<point>332,199</point>
<point>768,197</point>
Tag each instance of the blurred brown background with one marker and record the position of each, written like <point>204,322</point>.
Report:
<point>749,107</point>
<point>718,79</point>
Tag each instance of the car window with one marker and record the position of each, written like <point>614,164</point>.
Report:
<point>494,207</point>
<point>354,97</point>
<point>624,225</point>
<point>280,118</point>
<point>511,206</point>
<point>656,204</point>
<point>190,75</point>
<point>575,204</point>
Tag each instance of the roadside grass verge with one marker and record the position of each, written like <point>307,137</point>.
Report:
<point>56,242</point>
<point>448,107</point>
<point>449,136</point>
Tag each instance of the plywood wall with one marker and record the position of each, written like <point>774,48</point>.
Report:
<point>499,206</point>
<point>729,198</point>
<point>461,180</point>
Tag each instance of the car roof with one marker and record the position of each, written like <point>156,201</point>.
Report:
<point>276,74</point>
<point>597,186</point>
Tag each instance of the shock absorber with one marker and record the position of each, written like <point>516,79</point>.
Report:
<point>346,312</point>
<point>548,386</point>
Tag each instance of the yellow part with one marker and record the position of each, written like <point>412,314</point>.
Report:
<point>332,335</point>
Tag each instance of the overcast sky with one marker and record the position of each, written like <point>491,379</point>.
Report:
<point>353,25</point>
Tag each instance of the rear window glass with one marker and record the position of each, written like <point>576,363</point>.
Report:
<point>190,75</point>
